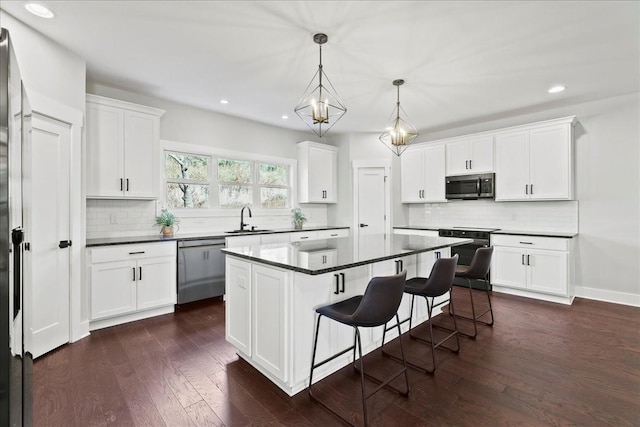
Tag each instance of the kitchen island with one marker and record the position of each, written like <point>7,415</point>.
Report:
<point>272,292</point>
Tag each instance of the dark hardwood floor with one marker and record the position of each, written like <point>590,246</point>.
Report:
<point>541,364</point>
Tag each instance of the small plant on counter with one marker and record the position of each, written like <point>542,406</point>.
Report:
<point>298,218</point>
<point>167,220</point>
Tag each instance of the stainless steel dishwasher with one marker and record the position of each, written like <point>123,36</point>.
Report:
<point>200,269</point>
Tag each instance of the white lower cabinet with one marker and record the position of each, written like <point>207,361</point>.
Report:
<point>130,282</point>
<point>540,267</point>
<point>238,306</point>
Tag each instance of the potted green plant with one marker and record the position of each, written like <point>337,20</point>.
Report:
<point>167,220</point>
<point>298,218</point>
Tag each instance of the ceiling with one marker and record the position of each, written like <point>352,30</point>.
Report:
<point>463,62</point>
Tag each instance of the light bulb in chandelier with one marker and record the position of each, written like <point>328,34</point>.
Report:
<point>320,111</point>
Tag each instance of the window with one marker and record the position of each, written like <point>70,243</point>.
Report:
<point>234,183</point>
<point>201,181</point>
<point>187,180</point>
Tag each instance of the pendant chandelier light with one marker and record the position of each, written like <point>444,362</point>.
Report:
<point>320,106</point>
<point>400,134</point>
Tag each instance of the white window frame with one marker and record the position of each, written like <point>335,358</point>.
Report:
<point>214,154</point>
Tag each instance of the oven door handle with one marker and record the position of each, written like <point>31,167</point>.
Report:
<point>478,186</point>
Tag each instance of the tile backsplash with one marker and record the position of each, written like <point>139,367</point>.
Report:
<point>527,216</point>
<point>120,218</point>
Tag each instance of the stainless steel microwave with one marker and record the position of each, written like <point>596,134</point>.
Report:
<point>470,187</point>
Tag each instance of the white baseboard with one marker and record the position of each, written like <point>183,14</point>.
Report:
<point>623,298</point>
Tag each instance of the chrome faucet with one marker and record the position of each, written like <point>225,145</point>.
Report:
<point>242,224</point>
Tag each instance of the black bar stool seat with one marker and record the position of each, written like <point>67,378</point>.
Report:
<point>376,307</point>
<point>438,283</point>
<point>478,269</point>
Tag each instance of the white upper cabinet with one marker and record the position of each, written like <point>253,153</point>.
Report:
<point>317,173</point>
<point>422,174</point>
<point>470,155</point>
<point>535,163</point>
<point>123,148</point>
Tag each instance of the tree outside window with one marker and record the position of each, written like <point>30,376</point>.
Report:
<point>187,180</point>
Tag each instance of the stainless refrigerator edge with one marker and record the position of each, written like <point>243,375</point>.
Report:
<point>16,363</point>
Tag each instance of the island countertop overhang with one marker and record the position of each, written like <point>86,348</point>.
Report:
<point>295,256</point>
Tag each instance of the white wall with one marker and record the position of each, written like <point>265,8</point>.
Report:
<point>54,79</point>
<point>195,126</point>
<point>607,155</point>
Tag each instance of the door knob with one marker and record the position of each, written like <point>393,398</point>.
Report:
<point>363,225</point>
<point>64,244</point>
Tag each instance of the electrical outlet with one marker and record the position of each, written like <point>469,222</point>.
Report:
<point>113,219</point>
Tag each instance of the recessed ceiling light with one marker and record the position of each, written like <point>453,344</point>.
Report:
<point>39,10</point>
<point>285,117</point>
<point>557,89</point>
<point>224,101</point>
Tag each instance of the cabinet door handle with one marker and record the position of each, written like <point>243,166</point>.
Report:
<point>139,273</point>
<point>337,291</point>
<point>470,164</point>
<point>523,260</point>
<point>531,188</point>
<point>528,259</point>
<point>342,287</point>
<point>127,184</point>
<point>466,164</point>
<point>397,266</point>
<point>121,184</point>
<point>134,273</point>
<point>526,189</point>
<point>438,254</point>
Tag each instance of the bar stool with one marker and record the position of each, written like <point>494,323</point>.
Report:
<point>438,283</point>
<point>376,307</point>
<point>479,269</point>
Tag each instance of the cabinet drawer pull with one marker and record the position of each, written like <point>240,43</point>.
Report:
<point>136,253</point>
<point>334,235</point>
<point>304,237</point>
<point>526,243</point>
<point>342,287</point>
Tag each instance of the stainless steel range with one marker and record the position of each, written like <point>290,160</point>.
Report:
<point>481,238</point>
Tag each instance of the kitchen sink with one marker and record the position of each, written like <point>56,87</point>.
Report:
<point>257,230</point>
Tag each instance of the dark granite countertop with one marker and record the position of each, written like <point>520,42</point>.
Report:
<point>537,233</point>
<point>107,241</point>
<point>288,255</point>
<point>421,227</point>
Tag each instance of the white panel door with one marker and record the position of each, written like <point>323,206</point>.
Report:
<point>47,224</point>
<point>156,282</point>
<point>550,157</point>
<point>458,157</point>
<point>309,293</point>
<point>140,162</point>
<point>113,289</point>
<point>322,175</point>
<point>238,310</point>
<point>481,150</point>
<point>548,271</point>
<point>372,224</point>
<point>105,142</point>
<point>270,336</point>
<point>512,166</point>
<point>434,170</point>
<point>412,176</point>
<point>508,267</point>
